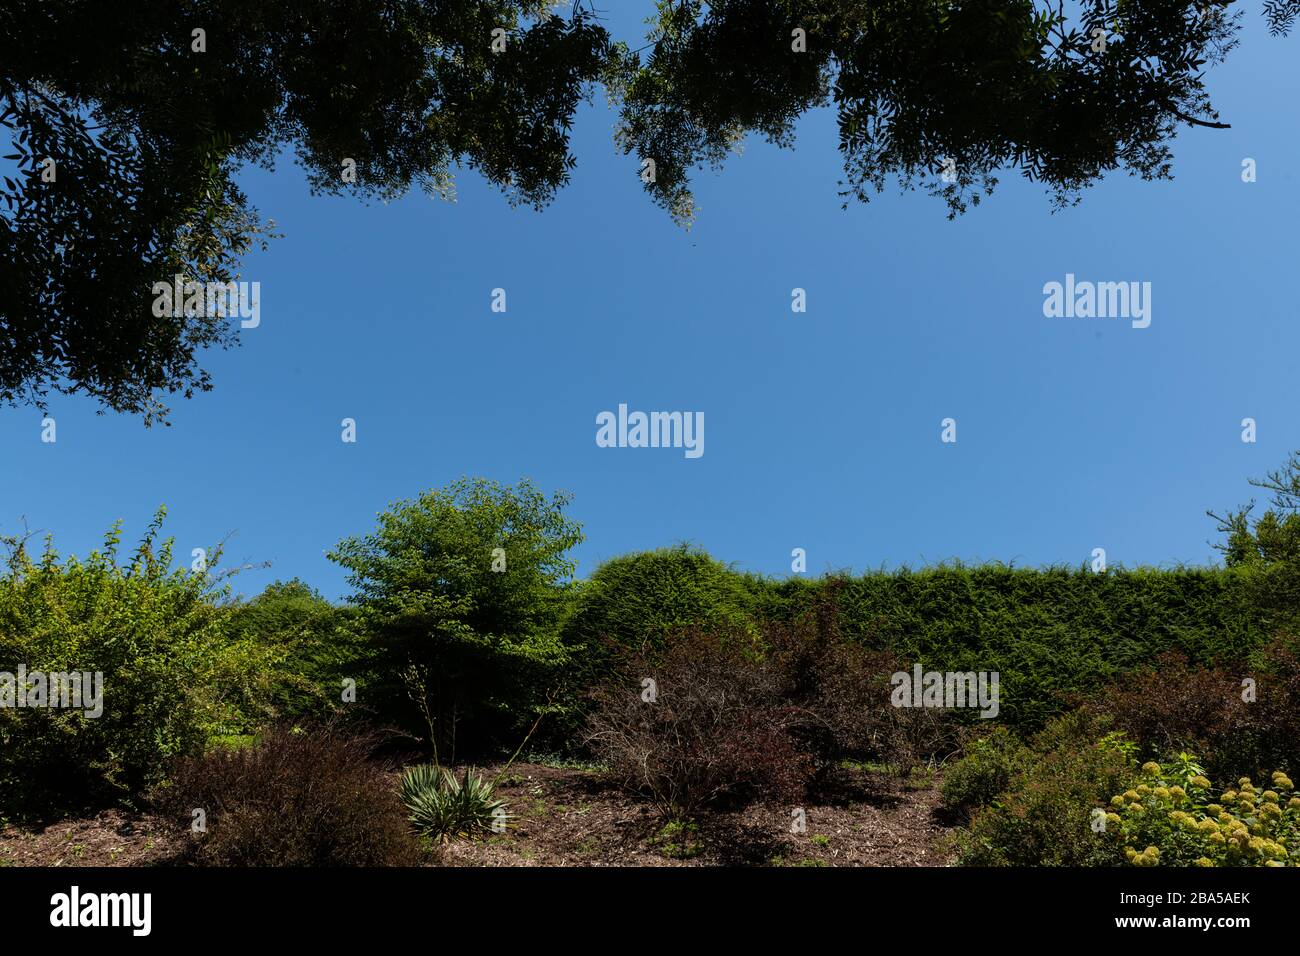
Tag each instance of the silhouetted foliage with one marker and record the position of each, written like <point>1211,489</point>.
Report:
<point>923,87</point>
<point>147,131</point>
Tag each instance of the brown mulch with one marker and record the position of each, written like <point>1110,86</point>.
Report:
<point>568,817</point>
<point>111,838</point>
<point>564,816</point>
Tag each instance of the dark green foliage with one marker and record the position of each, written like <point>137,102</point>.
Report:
<point>1172,706</point>
<point>1049,632</point>
<point>148,133</point>
<point>989,85</point>
<point>143,191</point>
<point>1052,634</point>
<point>841,690</point>
<point>296,797</point>
<point>1281,15</point>
<point>1266,547</point>
<point>442,807</point>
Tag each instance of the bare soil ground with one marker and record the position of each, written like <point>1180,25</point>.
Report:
<point>565,816</point>
<point>111,838</point>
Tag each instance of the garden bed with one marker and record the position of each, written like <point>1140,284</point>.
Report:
<point>569,816</point>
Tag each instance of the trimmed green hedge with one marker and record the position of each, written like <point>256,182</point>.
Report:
<point>1048,632</point>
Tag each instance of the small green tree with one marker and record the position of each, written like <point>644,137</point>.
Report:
<point>1266,547</point>
<point>460,592</point>
<point>1274,536</point>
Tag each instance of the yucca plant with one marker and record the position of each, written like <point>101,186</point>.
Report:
<point>442,807</point>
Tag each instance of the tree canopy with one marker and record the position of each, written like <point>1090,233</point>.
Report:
<point>128,126</point>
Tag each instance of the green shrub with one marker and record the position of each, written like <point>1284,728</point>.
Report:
<point>442,807</point>
<point>1177,819</point>
<point>1266,547</point>
<point>172,677</point>
<point>679,840</point>
<point>1052,634</point>
<point>318,643</point>
<point>297,797</point>
<point>636,601</point>
<point>986,770</point>
<point>1044,816</point>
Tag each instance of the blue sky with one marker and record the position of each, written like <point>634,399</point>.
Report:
<point>822,428</point>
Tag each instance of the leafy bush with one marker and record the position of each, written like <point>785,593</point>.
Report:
<point>294,798</point>
<point>442,807</point>
<point>1276,716</point>
<point>1173,706</point>
<point>986,770</point>
<point>639,600</point>
<point>678,840</point>
<point>1178,820</point>
<point>732,716</point>
<point>172,677</point>
<point>840,692</point>
<point>317,642</point>
<point>1051,633</point>
<point>1266,548</point>
<point>710,727</point>
<point>1044,817</point>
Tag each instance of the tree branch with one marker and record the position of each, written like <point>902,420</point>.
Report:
<point>1199,122</point>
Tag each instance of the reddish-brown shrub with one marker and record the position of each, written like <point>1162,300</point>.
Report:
<point>1176,706</point>
<point>732,718</point>
<point>709,728</point>
<point>294,798</point>
<point>841,691</point>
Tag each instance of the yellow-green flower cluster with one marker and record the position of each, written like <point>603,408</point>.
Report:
<point>1148,857</point>
<point>1178,826</point>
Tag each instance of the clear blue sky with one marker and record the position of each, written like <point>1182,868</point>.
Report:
<point>822,429</point>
